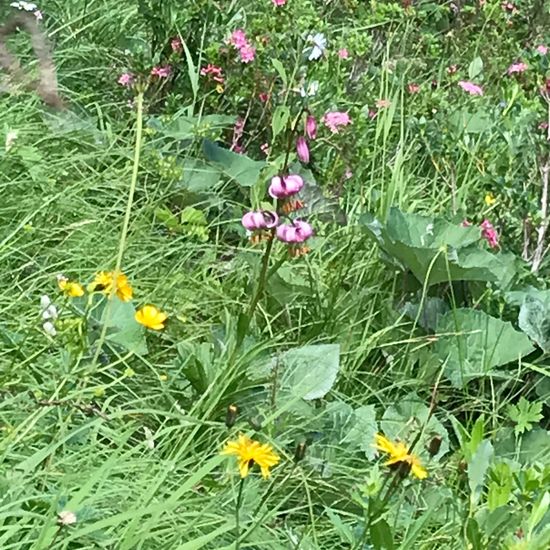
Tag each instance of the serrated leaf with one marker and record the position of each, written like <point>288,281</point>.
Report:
<point>241,168</point>
<point>471,344</point>
<point>525,414</point>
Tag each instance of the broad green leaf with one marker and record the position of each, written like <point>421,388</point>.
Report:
<point>241,168</point>
<point>475,68</point>
<point>436,250</point>
<point>381,535</point>
<point>310,371</point>
<point>473,535</point>
<point>477,469</point>
<point>534,320</point>
<point>471,344</point>
<point>123,329</point>
<point>279,120</point>
<point>471,123</point>
<point>198,176</point>
<point>433,309</point>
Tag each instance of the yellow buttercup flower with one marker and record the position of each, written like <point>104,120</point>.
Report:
<point>219,89</point>
<point>490,199</point>
<point>151,317</point>
<point>398,454</point>
<point>105,280</point>
<point>251,452</point>
<point>70,288</point>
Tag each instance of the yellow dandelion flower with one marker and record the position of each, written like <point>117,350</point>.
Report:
<point>104,281</point>
<point>251,452</point>
<point>490,199</point>
<point>70,288</point>
<point>399,454</point>
<point>151,317</point>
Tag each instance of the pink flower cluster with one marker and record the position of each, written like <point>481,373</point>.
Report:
<point>241,43</point>
<point>279,2</point>
<point>126,79</point>
<point>161,71</point>
<point>334,120</point>
<point>488,232</point>
<point>516,68</point>
<point>176,44</point>
<point>542,49</point>
<point>215,72</point>
<point>470,87</point>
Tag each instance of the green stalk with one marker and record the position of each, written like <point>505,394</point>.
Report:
<point>126,222</point>
<point>237,510</point>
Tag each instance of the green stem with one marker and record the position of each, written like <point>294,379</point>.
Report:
<point>126,222</point>
<point>237,511</point>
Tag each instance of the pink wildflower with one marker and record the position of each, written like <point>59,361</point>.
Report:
<point>311,127</point>
<point>248,53</point>
<point>470,87</point>
<point>333,120</point>
<point>126,79</point>
<point>488,232</point>
<point>176,44</point>
<point>161,72</point>
<point>517,68</point>
<point>383,103</point>
<point>466,223</point>
<point>542,49</point>
<point>348,174</point>
<point>543,126</point>
<point>452,69</point>
<point>413,88</point>
<point>264,148</point>
<point>263,97</point>
<point>279,2</point>
<point>343,53</point>
<point>238,39</point>
<point>302,149</point>
<point>286,186</point>
<point>262,219</point>
<point>238,131</point>
<point>296,232</point>
<point>508,6</point>
<point>217,73</point>
<point>38,14</point>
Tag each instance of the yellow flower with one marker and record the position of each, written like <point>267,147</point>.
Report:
<point>399,453</point>
<point>219,89</point>
<point>251,452</point>
<point>151,317</point>
<point>490,199</point>
<point>70,288</point>
<point>105,280</point>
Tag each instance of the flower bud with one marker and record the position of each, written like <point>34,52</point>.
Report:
<point>231,415</point>
<point>435,445</point>
<point>302,149</point>
<point>311,127</point>
<point>300,451</point>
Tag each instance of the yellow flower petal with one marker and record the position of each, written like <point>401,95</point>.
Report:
<point>251,452</point>
<point>151,317</point>
<point>418,471</point>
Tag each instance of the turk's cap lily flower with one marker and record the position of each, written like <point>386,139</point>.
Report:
<point>282,187</point>
<point>257,220</point>
<point>297,232</point>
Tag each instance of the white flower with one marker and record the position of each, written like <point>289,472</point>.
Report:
<point>26,6</point>
<point>49,311</point>
<point>318,47</point>
<point>49,329</point>
<point>149,439</point>
<point>11,136</point>
<point>66,518</point>
<point>312,89</point>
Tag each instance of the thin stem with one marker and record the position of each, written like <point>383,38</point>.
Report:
<point>237,513</point>
<point>126,222</point>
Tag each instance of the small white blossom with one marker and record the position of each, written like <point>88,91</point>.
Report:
<point>311,91</point>
<point>49,311</point>
<point>66,518</point>
<point>11,136</point>
<point>149,439</point>
<point>49,329</point>
<point>318,47</point>
<point>25,6</point>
